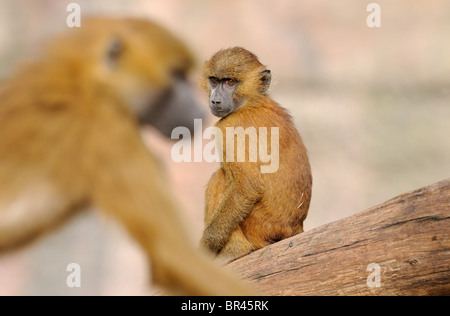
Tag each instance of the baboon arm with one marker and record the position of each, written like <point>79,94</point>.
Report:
<point>129,185</point>
<point>231,211</point>
<point>125,180</point>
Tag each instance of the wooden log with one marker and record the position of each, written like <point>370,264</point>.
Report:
<point>400,247</point>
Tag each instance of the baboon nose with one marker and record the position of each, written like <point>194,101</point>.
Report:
<point>216,102</point>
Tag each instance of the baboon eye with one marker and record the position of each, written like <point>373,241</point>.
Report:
<point>230,82</point>
<point>114,51</point>
<point>214,81</point>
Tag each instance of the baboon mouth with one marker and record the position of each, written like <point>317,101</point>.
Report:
<point>219,113</point>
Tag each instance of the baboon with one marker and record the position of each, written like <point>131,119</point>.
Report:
<point>70,137</point>
<point>247,209</point>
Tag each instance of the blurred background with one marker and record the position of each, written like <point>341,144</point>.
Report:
<point>372,105</point>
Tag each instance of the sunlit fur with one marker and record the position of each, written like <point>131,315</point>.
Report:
<point>246,209</point>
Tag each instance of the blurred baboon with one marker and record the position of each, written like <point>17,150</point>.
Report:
<point>70,136</point>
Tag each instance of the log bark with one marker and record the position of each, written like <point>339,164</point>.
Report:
<point>399,247</point>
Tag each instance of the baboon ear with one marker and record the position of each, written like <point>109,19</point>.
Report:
<point>113,52</point>
<point>266,78</point>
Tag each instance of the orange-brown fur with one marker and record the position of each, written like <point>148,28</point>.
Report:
<point>70,137</point>
<point>246,209</point>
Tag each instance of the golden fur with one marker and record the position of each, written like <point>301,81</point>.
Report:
<point>246,209</point>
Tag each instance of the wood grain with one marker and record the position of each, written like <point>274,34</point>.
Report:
<point>407,237</point>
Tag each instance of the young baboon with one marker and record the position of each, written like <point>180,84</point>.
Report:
<point>69,125</point>
<point>247,209</point>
